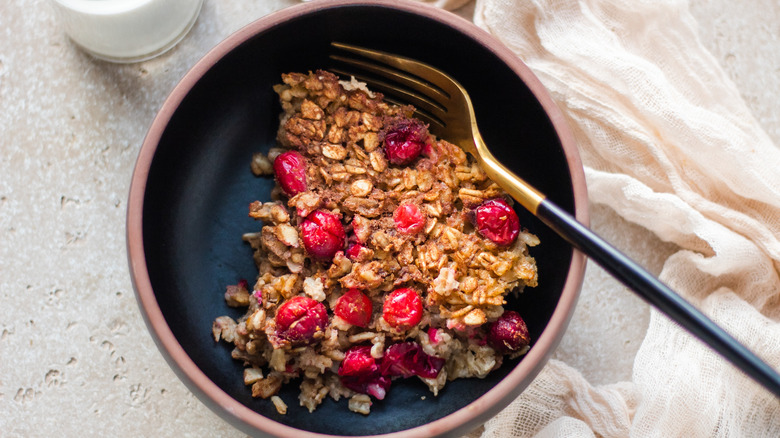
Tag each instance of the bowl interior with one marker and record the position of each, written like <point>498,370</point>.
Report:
<point>199,187</point>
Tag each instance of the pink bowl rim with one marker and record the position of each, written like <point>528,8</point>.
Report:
<point>239,415</point>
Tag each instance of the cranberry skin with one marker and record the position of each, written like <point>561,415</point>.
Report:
<point>359,371</point>
<point>290,170</point>
<point>322,234</point>
<point>407,359</point>
<point>433,335</point>
<point>409,219</point>
<point>402,309</point>
<point>358,362</point>
<point>354,307</point>
<point>495,220</point>
<point>404,141</point>
<point>509,333</point>
<point>299,319</point>
<point>353,251</point>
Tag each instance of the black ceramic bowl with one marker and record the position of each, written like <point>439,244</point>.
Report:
<point>192,185</point>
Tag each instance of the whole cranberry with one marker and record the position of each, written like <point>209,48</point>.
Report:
<point>290,170</point>
<point>497,221</point>
<point>299,319</point>
<point>354,307</point>
<point>358,362</point>
<point>404,140</point>
<point>509,333</point>
<point>322,234</point>
<point>409,219</point>
<point>402,308</point>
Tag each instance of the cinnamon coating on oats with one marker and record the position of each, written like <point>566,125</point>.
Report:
<point>341,130</point>
<point>370,267</point>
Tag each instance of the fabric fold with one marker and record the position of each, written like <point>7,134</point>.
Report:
<point>561,402</point>
<point>667,143</point>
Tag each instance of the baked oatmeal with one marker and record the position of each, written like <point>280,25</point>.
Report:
<point>386,254</point>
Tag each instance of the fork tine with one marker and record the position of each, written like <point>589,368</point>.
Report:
<point>423,105</point>
<point>402,85</point>
<point>409,72</point>
<point>435,123</point>
<point>433,94</point>
<point>428,77</point>
<point>400,97</point>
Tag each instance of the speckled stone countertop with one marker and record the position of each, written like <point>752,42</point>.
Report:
<point>75,356</point>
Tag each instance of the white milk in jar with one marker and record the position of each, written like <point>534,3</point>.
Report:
<point>127,30</point>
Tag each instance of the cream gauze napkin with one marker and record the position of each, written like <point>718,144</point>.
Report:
<point>669,144</point>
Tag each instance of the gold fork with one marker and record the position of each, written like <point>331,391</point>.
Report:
<point>445,105</point>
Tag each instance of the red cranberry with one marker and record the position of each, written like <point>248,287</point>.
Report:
<point>496,220</point>
<point>353,251</point>
<point>509,333</point>
<point>407,359</point>
<point>290,170</point>
<point>358,361</point>
<point>299,319</point>
<point>409,219</point>
<point>359,371</point>
<point>322,234</point>
<point>404,140</point>
<point>355,308</point>
<point>402,308</point>
<point>292,370</point>
<point>433,335</point>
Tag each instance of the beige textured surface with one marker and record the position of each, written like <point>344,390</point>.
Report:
<point>72,342</point>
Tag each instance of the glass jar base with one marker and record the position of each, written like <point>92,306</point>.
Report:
<point>118,35</point>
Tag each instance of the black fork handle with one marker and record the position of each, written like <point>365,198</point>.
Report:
<point>658,294</point>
